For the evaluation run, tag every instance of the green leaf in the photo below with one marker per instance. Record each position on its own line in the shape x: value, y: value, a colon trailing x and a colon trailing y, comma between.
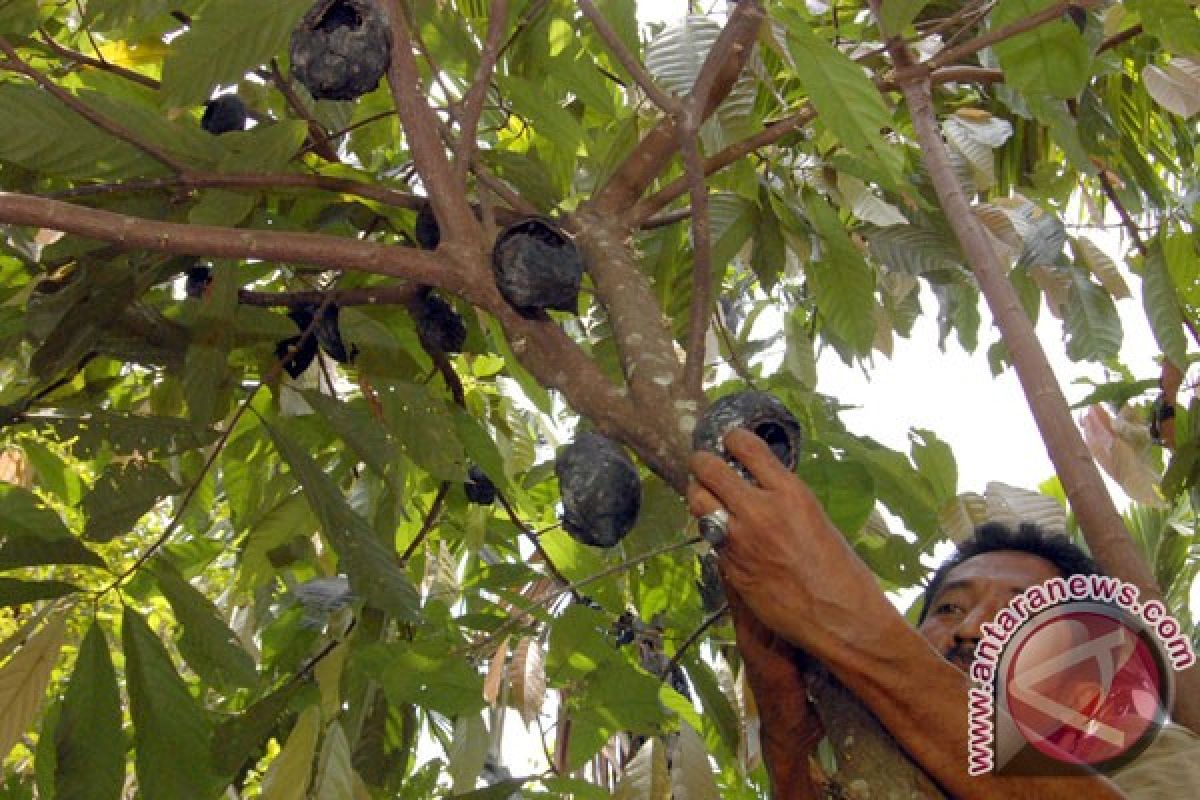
x: 901, y: 488
x: 202, y: 377
x: 239, y: 738
x: 23, y: 514
x: 1183, y: 265
x: 40, y: 133
x: 167, y: 721
x: 290, y: 772
x: 372, y: 569
x: 468, y: 751
x: 122, y: 494
x: 290, y: 519
x: 92, y: 432
x: 23, y: 681
x: 842, y: 282
x: 544, y: 111
x: 17, y: 593
x: 935, y: 461
x: 1093, y: 327
x: 424, y: 430
x: 1174, y: 22
x: 18, y: 17
x: 335, y: 774
x: 896, y: 15
x: 424, y: 675
x: 844, y: 489
x: 88, y: 740
x: 207, y: 643
x: 227, y: 39
x: 846, y: 100
x: 364, y: 434
x: 1162, y: 305
x: 578, y: 645
x: 1053, y: 58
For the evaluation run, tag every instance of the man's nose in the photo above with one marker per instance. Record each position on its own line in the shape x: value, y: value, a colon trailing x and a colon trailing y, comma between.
x: 970, y: 627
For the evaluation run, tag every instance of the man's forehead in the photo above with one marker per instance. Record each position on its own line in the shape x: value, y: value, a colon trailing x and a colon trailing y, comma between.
x: 1013, y: 569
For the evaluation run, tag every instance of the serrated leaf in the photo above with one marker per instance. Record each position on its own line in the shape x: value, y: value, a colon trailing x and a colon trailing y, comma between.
x: 290, y: 772
x: 841, y: 282
x: 41, y: 134
x: 226, y: 40
x: 1053, y: 58
x: 691, y: 774
x: 1162, y: 306
x: 528, y: 679
x: 373, y: 572
x: 1093, y: 326
x: 208, y: 645
x: 17, y: 593
x: 335, y: 774
x: 88, y: 740
x: 1089, y: 255
x: 23, y: 681
x: 166, y: 720
x: 1175, y: 87
x: 646, y: 776
x: 121, y: 495
x: 847, y: 101
x: 468, y: 751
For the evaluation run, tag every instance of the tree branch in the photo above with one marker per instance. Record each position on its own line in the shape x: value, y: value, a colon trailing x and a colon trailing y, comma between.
x: 702, y: 267
x: 472, y: 107
x: 952, y: 55
x: 16, y: 64
x: 343, y: 298
x: 321, y: 143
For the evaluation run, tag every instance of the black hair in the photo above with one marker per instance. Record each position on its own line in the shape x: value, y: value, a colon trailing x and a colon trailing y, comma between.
x: 1068, y: 557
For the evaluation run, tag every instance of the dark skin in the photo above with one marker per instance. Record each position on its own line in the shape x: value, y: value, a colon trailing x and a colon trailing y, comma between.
x: 796, y: 584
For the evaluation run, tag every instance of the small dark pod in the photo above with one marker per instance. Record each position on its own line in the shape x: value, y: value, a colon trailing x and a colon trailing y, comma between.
x: 601, y: 490
x: 712, y: 593
x: 759, y: 412
x: 198, y: 279
x: 329, y: 335
x: 479, y: 487
x: 341, y: 49
x: 296, y: 353
x: 439, y: 327
x: 426, y: 231
x: 224, y: 114
x: 537, y: 267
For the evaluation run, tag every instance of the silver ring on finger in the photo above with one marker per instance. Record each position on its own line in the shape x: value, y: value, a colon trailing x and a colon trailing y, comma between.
x: 714, y: 527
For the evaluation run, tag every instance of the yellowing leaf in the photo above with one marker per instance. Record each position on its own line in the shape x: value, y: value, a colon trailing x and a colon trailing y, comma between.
x: 23, y: 681
x: 646, y: 776
x: 288, y: 776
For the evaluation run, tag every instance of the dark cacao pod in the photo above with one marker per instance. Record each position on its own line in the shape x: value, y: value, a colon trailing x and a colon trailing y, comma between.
x: 537, y: 267
x: 439, y: 327
x: 198, y: 279
x: 328, y: 333
x: 341, y: 48
x: 479, y: 487
x: 296, y: 353
x: 224, y: 114
x: 426, y: 231
x: 758, y: 412
x: 601, y: 490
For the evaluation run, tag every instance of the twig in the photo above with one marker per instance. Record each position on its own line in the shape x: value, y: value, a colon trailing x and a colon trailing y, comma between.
x: 694, y: 637
x: 667, y: 103
x: 472, y: 106
x: 957, y: 53
x: 321, y: 143
x: 96, y: 63
x: 533, y: 539
x: 16, y: 64
x: 431, y: 517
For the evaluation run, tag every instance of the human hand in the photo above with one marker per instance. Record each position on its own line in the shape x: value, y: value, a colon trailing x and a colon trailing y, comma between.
x: 783, y: 556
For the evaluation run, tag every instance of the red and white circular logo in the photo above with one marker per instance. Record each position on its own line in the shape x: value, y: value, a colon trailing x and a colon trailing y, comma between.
x: 1082, y: 686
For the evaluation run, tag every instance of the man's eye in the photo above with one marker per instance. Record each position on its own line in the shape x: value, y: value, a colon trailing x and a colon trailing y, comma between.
x: 948, y: 608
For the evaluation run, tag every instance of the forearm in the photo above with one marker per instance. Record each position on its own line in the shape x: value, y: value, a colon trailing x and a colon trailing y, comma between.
x: 922, y: 700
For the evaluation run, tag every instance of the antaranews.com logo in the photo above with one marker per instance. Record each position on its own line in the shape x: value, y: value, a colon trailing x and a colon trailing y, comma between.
x: 1073, y: 675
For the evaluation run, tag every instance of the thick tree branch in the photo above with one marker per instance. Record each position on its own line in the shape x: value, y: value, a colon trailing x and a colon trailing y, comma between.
x: 718, y: 75
x: 16, y: 64
x: 331, y: 252
x: 421, y: 129
x: 472, y: 107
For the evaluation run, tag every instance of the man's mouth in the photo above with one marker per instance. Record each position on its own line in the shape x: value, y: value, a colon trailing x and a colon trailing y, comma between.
x: 961, y: 657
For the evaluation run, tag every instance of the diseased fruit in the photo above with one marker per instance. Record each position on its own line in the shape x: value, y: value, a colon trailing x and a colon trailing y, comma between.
x: 479, y: 487
x: 329, y: 335
x: 341, y: 48
x: 439, y: 327
x: 224, y: 114
x: 537, y: 267
x: 426, y: 231
x: 759, y: 412
x: 601, y: 490
x: 198, y: 280
x: 296, y: 353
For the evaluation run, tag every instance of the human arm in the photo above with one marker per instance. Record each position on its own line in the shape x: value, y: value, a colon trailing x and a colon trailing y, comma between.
x: 798, y: 575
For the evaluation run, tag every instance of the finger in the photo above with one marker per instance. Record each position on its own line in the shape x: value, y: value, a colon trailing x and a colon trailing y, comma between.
x: 731, y: 491
x: 754, y: 454
x: 701, y: 501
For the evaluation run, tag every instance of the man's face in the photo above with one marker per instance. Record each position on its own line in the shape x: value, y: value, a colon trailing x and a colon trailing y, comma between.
x: 972, y: 594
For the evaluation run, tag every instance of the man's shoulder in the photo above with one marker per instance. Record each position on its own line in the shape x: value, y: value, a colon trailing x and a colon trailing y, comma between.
x: 1168, y: 768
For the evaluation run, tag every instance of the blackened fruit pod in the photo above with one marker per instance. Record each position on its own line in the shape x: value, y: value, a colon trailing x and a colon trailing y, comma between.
x: 426, y: 231
x: 224, y: 114
x: 439, y: 327
x: 601, y: 490
x: 479, y: 487
x: 758, y: 412
x: 537, y: 267
x: 341, y: 48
